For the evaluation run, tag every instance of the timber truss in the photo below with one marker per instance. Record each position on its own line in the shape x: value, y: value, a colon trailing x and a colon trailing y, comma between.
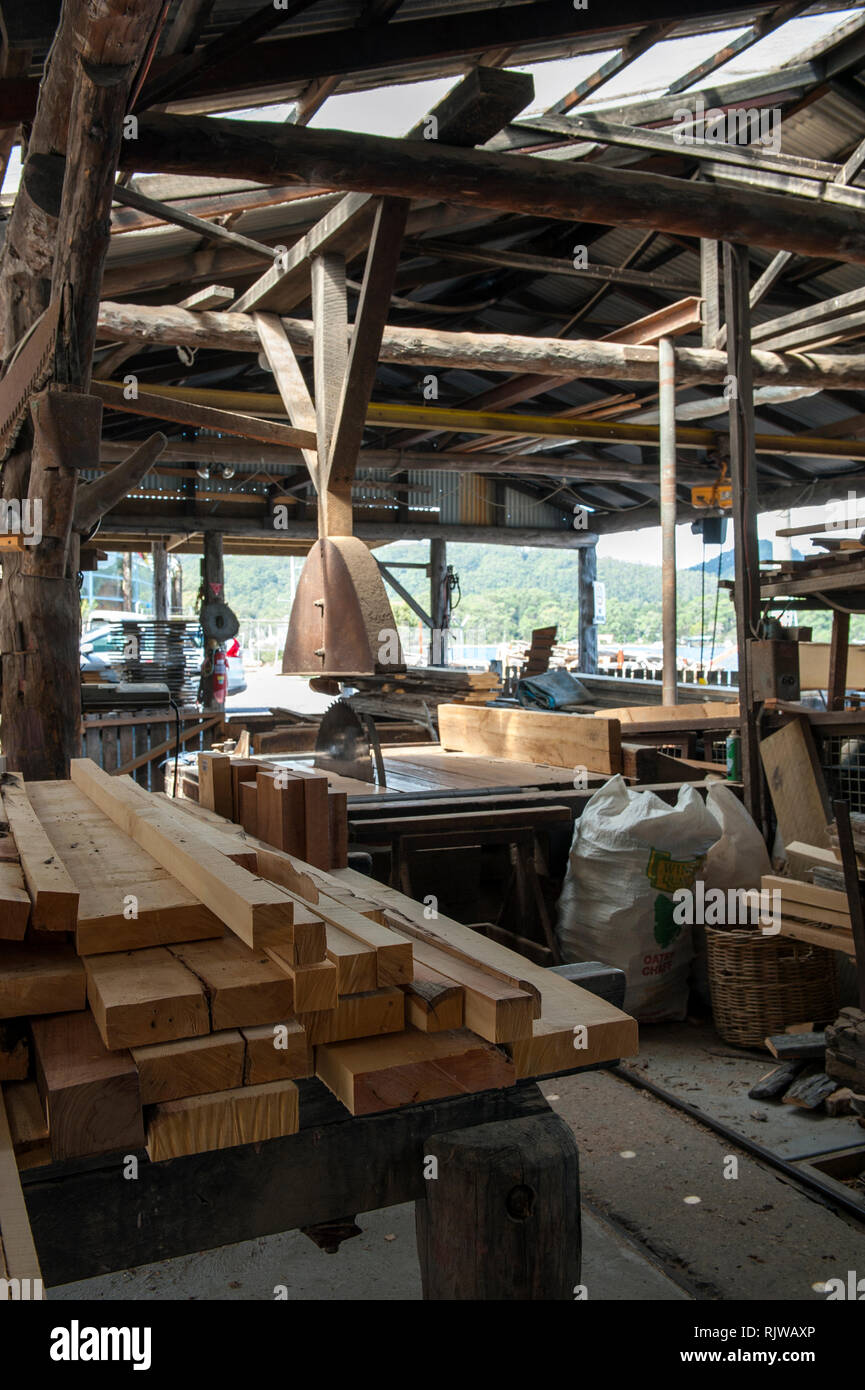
x: 457, y: 332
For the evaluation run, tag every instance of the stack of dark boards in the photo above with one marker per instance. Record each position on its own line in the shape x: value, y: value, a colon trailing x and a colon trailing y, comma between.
x: 818, y: 1070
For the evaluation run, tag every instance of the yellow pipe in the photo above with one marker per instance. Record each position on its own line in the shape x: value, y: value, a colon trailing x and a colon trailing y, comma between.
x: 493, y: 422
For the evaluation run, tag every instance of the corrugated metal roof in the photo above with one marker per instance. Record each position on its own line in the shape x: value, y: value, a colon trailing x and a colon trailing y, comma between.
x: 825, y: 128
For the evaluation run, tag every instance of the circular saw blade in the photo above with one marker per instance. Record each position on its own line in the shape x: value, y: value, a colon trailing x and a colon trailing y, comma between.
x: 342, y: 744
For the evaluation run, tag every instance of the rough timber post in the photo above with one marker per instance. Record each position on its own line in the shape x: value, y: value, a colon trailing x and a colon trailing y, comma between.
x: 212, y: 590
x: 160, y: 579
x: 501, y: 1217
x: 64, y: 203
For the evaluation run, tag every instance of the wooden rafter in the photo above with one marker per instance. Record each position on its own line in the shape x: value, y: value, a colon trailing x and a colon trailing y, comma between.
x: 179, y: 74
x: 281, y: 62
x: 507, y: 183
x: 766, y: 24
x: 493, y: 352
x: 629, y: 52
x: 352, y: 405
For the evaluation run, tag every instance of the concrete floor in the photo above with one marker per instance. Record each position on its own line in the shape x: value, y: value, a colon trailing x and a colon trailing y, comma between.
x: 380, y: 1265
x: 693, y: 1062
x: 662, y: 1220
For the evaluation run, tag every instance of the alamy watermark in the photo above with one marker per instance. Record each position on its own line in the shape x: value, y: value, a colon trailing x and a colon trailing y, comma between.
x: 21, y: 518
x: 737, y: 125
x: 842, y: 514
x: 730, y: 907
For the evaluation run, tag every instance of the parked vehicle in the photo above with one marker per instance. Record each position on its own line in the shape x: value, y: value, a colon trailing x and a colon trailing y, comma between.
x: 130, y: 646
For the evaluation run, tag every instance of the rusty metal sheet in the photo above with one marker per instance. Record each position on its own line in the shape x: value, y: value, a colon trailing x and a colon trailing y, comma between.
x: 342, y: 623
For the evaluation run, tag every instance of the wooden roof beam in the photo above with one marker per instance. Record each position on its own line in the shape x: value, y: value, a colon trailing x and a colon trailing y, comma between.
x: 490, y: 352
x: 682, y: 140
x: 547, y: 265
x: 230, y: 47
x: 211, y: 231
x: 151, y: 524
x: 507, y: 183
x: 350, y: 50
x: 777, y: 88
x: 477, y: 107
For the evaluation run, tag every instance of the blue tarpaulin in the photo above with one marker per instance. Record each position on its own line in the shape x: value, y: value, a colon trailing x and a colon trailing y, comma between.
x: 551, y: 690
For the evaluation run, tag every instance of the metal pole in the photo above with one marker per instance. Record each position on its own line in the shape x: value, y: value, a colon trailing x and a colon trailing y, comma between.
x: 160, y: 579
x: 438, y: 601
x: 743, y: 477
x: 588, y: 632
x: 667, y: 403
x: 213, y: 585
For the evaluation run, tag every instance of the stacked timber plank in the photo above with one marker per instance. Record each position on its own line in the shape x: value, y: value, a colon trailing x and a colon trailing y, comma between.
x: 562, y: 740
x: 857, y: 827
x: 293, y: 809
x: 435, y: 684
x: 812, y: 913
x: 538, y: 655
x: 187, y: 975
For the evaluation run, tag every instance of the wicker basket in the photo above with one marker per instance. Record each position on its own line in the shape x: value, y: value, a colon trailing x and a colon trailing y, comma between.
x: 761, y: 984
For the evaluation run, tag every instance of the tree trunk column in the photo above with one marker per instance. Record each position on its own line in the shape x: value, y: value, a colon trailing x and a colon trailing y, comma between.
x: 501, y: 1216
x: 213, y: 590
x: 588, y: 633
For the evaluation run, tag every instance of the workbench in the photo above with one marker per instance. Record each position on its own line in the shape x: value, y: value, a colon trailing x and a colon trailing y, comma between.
x: 506, y: 1180
x: 500, y: 1221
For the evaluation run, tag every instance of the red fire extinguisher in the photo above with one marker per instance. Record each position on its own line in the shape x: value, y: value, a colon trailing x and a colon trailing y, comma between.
x: 220, y: 675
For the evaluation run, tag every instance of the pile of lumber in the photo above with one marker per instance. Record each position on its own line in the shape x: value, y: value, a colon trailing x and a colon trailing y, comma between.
x: 845, y: 1049
x: 857, y: 826
x: 811, y: 913
x: 818, y: 1070
x: 293, y: 809
x: 171, y: 977
x: 538, y: 655
x: 433, y: 685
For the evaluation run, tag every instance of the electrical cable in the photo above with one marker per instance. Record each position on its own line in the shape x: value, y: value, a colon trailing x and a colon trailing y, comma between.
x: 176, y: 708
x: 702, y: 602
x: 717, y: 597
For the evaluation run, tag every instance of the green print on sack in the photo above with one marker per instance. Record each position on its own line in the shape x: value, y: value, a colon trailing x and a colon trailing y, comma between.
x: 667, y: 874
x: 666, y: 927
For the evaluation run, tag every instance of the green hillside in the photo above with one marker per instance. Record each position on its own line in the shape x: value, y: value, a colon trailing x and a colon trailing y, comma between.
x: 505, y: 592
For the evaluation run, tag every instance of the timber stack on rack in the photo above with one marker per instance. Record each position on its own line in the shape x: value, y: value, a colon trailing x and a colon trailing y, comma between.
x: 422, y: 688
x: 166, y: 978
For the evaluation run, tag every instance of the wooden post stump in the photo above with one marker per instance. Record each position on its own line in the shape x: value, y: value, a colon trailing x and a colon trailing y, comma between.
x: 501, y: 1220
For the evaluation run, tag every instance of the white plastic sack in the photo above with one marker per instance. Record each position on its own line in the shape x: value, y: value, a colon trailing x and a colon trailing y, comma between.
x: 630, y: 853
x: 738, y: 859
